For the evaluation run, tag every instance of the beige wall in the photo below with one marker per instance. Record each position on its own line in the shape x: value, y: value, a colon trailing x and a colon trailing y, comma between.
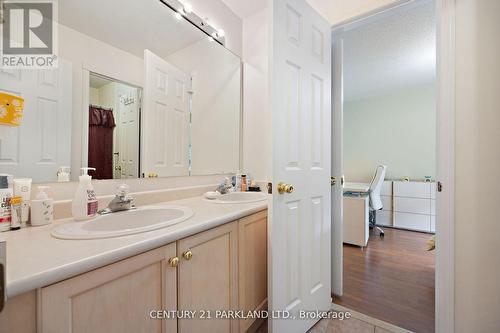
x: 477, y: 167
x: 257, y: 140
x: 396, y: 129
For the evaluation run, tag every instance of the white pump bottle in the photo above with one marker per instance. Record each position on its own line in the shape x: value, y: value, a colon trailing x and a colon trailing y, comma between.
x: 84, y: 204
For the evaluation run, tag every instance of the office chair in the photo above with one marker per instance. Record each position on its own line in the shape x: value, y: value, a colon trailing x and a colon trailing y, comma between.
x: 375, y: 201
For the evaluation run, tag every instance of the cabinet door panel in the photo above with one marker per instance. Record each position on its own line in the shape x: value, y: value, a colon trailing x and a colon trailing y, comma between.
x: 115, y: 298
x: 252, y: 245
x: 209, y: 280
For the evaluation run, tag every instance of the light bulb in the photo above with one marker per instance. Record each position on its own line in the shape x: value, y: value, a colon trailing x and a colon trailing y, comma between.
x: 210, y: 39
x: 178, y: 16
x: 220, y: 33
x: 188, y: 8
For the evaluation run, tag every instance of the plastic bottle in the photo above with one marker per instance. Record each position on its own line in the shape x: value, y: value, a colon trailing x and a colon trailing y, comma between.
x: 6, y: 193
x: 84, y: 204
x: 42, y: 208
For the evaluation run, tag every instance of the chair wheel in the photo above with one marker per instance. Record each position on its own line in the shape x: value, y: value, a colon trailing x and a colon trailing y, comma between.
x: 381, y: 235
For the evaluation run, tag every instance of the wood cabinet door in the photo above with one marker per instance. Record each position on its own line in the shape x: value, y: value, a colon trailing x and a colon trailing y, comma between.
x: 208, y: 282
x: 252, y: 245
x: 115, y: 298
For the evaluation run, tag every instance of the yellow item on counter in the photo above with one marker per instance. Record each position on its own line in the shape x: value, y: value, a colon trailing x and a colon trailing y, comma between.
x: 11, y: 109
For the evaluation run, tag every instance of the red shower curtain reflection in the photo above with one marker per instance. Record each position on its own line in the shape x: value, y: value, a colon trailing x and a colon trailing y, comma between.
x: 101, y: 125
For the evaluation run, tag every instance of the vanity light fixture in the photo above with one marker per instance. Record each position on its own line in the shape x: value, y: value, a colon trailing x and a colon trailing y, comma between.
x: 184, y: 10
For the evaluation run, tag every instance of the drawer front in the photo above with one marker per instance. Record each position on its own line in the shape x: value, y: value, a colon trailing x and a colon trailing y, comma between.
x: 433, y: 207
x: 386, y: 202
x: 386, y: 188
x: 412, y: 205
x: 412, y: 221
x: 384, y: 218
x: 412, y: 189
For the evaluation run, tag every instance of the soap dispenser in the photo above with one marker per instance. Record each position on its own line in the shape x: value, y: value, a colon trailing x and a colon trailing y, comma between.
x: 84, y: 204
x: 42, y: 208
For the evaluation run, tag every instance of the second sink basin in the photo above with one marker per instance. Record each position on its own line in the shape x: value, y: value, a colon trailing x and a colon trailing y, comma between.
x: 240, y: 197
x: 124, y: 223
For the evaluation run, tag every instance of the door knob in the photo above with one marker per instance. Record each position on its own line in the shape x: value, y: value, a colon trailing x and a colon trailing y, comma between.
x: 285, y: 188
x: 333, y: 181
x: 173, y: 262
x: 188, y: 255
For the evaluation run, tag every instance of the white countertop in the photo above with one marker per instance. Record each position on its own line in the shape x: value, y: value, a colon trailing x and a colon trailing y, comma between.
x: 35, y: 259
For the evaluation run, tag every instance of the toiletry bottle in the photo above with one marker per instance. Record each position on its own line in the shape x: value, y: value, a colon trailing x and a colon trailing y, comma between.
x: 6, y: 193
x: 85, y: 202
x: 237, y: 186
x: 63, y: 174
x: 22, y: 188
x: 243, y: 183
x: 42, y: 208
x: 15, y: 208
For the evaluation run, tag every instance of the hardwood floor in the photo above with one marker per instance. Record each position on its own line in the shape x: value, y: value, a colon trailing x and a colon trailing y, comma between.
x: 392, y: 280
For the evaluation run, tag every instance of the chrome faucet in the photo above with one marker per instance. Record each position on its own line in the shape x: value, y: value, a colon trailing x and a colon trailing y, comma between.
x: 225, y: 187
x: 122, y: 201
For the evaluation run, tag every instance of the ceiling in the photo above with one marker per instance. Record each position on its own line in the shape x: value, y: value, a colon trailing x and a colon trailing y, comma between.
x: 245, y: 8
x: 390, y: 51
x: 334, y: 10
x: 337, y: 11
x: 111, y: 21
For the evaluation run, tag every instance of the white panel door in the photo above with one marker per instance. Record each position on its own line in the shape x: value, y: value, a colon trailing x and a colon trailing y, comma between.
x: 166, y: 118
x: 127, y: 132
x: 42, y: 143
x: 300, y: 238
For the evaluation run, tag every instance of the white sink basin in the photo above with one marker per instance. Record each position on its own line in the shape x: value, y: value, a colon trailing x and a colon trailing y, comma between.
x: 124, y: 223
x: 240, y: 197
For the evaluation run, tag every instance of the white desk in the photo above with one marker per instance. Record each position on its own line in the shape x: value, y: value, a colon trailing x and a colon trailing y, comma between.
x: 356, y: 187
x: 356, y: 220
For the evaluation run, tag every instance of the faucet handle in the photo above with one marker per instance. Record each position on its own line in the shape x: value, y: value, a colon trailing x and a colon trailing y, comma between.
x: 123, y: 190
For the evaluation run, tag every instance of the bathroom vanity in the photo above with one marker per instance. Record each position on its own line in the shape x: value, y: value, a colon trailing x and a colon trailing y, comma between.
x: 216, y: 260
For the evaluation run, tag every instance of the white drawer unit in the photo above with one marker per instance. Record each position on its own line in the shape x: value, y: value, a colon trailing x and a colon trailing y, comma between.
x: 386, y: 189
x: 356, y: 224
x: 387, y: 203
x: 412, y: 189
x: 414, y: 205
x: 411, y: 221
x: 384, y: 218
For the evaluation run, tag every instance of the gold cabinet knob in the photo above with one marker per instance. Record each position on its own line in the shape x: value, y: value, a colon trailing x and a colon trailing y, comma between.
x: 173, y: 262
x: 285, y: 188
x: 188, y: 255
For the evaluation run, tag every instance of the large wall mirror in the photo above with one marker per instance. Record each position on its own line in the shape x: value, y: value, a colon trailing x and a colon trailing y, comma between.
x: 139, y: 92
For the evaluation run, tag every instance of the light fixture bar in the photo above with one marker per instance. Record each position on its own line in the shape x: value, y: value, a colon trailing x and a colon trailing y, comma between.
x: 185, y: 10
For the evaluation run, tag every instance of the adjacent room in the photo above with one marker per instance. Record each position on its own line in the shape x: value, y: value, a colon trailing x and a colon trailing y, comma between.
x: 389, y: 163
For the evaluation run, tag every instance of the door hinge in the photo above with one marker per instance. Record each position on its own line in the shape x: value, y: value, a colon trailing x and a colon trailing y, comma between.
x: 440, y: 187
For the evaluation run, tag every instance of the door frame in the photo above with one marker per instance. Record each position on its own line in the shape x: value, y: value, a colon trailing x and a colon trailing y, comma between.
x: 445, y: 155
x: 87, y: 71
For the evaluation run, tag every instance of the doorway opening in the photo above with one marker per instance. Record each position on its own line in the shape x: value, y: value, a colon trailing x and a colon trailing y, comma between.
x: 389, y: 106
